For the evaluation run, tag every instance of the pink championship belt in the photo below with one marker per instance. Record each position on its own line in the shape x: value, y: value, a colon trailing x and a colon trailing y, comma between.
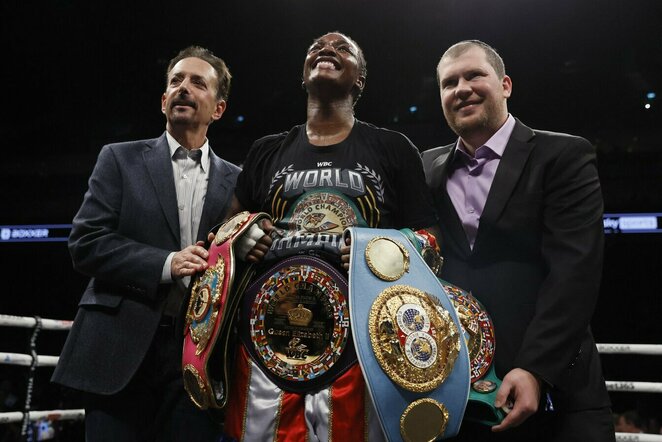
x: 211, y: 311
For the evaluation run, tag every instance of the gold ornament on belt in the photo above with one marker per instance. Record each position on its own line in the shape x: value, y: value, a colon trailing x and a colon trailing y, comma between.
x: 299, y: 322
x: 424, y: 420
x: 477, y: 329
x: 203, y: 306
x: 386, y: 258
x: 413, y: 337
x: 230, y: 227
x: 195, y: 386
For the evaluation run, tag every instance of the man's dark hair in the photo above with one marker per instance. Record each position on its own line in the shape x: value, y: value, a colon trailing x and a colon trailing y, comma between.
x: 222, y: 71
x: 493, y: 57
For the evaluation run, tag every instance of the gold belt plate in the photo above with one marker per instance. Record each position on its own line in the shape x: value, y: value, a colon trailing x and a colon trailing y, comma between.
x: 299, y: 323
x: 413, y: 338
x: 204, y: 304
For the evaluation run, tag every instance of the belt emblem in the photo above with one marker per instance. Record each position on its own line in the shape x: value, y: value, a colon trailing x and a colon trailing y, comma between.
x: 299, y: 322
x: 423, y: 420
x: 413, y: 338
x: 477, y: 329
x: 387, y: 259
x: 204, y: 305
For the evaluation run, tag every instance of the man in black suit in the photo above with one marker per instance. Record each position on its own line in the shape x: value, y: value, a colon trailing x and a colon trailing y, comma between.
x: 521, y: 228
x: 138, y: 236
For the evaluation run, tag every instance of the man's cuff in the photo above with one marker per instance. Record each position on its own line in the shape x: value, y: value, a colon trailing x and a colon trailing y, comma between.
x: 166, y: 273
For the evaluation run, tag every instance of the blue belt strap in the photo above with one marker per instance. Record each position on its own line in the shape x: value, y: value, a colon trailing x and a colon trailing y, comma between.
x: 391, y: 400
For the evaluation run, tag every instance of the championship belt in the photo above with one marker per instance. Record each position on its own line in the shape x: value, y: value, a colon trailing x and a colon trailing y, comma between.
x: 407, y: 337
x: 478, y: 332
x: 295, y: 324
x: 212, y: 307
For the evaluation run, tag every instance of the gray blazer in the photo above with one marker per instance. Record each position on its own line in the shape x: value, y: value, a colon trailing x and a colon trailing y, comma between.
x: 127, y: 225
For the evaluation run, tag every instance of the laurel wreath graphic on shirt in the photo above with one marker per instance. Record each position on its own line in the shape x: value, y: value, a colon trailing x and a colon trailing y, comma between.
x: 279, y: 174
x: 375, y: 178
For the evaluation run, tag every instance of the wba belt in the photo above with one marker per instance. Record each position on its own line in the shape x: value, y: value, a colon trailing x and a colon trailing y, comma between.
x: 295, y: 324
x: 212, y: 307
x: 407, y: 337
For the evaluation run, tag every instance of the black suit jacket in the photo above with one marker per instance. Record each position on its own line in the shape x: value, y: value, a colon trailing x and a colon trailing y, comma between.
x: 125, y: 229
x: 537, y: 259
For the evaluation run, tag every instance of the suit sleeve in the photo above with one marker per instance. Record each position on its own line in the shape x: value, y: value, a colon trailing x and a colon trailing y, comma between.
x: 572, y: 249
x: 98, y: 248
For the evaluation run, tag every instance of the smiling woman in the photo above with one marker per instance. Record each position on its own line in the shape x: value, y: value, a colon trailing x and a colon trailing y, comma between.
x: 319, y: 178
x: 82, y: 74
x: 326, y: 54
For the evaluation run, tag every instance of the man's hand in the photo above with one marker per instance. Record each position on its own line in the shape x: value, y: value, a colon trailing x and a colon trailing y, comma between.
x: 188, y: 262
x: 522, y: 389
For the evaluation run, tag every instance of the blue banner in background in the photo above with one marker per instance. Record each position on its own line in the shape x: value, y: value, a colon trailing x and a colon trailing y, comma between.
x: 632, y: 222
x: 35, y: 233
x: 613, y: 223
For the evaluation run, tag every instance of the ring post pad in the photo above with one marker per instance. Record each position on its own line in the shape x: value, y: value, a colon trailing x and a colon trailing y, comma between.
x: 212, y: 305
x: 407, y: 337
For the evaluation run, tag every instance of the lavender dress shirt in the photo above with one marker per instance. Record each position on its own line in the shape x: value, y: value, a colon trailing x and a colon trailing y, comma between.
x: 470, y: 177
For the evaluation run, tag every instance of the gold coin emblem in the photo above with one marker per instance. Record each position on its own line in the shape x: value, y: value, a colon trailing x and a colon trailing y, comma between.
x: 195, y: 386
x: 484, y: 386
x: 424, y: 420
x: 386, y: 258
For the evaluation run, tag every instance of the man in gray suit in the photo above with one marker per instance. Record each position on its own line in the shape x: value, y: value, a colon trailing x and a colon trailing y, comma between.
x: 521, y: 228
x: 138, y: 235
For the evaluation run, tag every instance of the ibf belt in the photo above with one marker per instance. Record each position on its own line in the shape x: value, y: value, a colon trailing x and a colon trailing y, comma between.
x: 478, y: 333
x: 212, y: 307
x: 295, y: 324
x: 407, y: 337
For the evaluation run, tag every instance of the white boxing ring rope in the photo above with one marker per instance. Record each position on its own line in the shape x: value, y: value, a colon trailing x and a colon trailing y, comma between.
x: 56, y: 324
x: 33, y: 361
x: 638, y: 437
x: 631, y: 349
x: 31, y: 322
x: 27, y: 360
x: 51, y: 415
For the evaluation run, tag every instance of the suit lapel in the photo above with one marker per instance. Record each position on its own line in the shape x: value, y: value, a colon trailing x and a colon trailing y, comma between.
x: 507, y: 175
x: 219, y: 192
x: 434, y: 164
x: 159, y: 165
x: 448, y: 216
x: 450, y: 219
